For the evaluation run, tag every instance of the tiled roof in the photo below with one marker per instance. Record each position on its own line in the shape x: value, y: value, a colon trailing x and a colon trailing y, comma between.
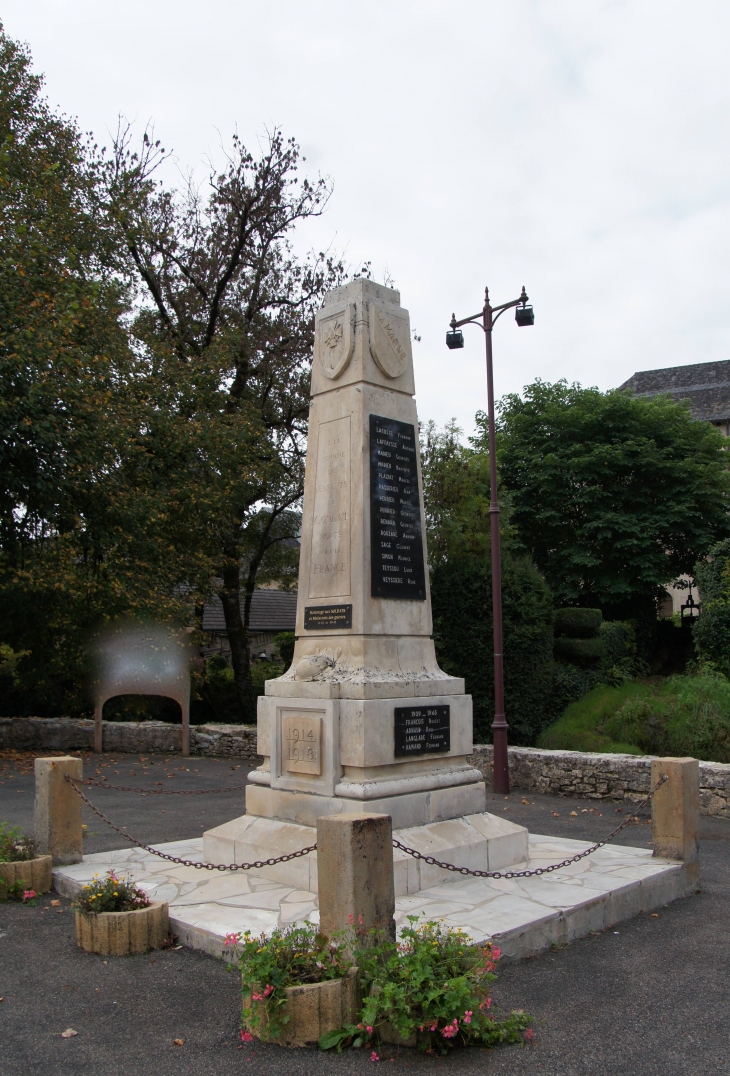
x: 705, y: 386
x: 271, y: 610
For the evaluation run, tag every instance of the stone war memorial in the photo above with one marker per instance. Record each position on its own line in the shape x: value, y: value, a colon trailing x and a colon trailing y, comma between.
x: 364, y: 720
x: 365, y: 740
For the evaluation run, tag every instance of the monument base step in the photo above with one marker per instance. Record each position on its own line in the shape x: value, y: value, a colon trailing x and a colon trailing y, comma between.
x: 479, y: 841
x: 408, y: 809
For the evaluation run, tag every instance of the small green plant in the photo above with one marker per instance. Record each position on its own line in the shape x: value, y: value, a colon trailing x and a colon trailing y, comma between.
x: 110, y: 894
x: 16, y: 891
x: 431, y: 985
x: 15, y: 846
x: 270, y: 964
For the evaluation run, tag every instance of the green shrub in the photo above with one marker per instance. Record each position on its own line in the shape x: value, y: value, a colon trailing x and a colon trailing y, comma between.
x: 578, y: 623
x: 461, y: 596
x: 581, y: 652
x: 679, y: 715
x: 711, y: 633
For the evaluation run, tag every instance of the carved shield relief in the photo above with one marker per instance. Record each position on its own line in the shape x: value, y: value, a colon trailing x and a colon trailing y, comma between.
x: 390, y: 340
x: 335, y: 340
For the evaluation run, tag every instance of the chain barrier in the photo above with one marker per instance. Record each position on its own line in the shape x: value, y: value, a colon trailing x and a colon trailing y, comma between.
x: 414, y: 853
x: 538, y: 870
x: 155, y: 791
x: 76, y: 785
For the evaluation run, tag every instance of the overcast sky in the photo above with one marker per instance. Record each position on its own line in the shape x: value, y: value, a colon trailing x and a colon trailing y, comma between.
x: 578, y: 147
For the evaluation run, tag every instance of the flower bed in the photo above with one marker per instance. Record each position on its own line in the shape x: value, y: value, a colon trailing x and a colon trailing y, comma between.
x: 23, y: 873
x: 297, y: 985
x: 430, y: 989
x: 116, y: 918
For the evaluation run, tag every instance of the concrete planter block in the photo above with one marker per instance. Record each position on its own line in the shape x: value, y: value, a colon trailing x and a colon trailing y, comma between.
x: 33, y: 873
x: 123, y: 933
x: 314, y: 1009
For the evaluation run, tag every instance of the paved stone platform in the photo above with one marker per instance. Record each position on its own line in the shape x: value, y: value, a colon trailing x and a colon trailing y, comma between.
x: 522, y: 916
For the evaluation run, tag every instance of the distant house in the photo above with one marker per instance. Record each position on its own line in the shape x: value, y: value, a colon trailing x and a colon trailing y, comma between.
x: 272, y: 611
x: 705, y: 386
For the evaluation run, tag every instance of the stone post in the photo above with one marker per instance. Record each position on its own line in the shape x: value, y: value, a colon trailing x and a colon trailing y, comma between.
x: 355, y: 872
x: 675, y: 811
x: 58, y: 809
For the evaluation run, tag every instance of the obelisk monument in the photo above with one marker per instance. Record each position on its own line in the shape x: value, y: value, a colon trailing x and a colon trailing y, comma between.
x: 364, y: 720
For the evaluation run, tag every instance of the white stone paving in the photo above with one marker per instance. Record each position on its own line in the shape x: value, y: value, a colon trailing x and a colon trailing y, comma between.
x: 523, y: 916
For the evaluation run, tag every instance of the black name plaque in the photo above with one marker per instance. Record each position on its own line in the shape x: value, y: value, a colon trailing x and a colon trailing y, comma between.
x: 396, y: 542
x: 319, y: 617
x: 420, y: 730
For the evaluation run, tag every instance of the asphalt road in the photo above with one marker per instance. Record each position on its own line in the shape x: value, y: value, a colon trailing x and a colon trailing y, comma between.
x: 652, y: 997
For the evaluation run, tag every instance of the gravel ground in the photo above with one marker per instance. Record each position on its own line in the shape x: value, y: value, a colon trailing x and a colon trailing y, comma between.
x: 652, y: 997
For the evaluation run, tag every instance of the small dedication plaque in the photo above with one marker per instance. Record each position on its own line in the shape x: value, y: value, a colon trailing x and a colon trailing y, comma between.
x: 302, y: 744
x: 327, y: 616
x: 396, y: 543
x: 420, y: 730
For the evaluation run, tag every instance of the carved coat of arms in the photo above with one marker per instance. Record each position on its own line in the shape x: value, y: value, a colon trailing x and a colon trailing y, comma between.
x: 335, y: 340
x: 390, y: 340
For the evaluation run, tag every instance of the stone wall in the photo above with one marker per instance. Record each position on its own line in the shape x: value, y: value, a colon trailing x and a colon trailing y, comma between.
x: 599, y: 776
x: 556, y: 773
x: 128, y: 737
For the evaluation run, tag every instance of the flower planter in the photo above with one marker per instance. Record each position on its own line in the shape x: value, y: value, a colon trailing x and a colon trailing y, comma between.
x: 313, y: 1009
x: 123, y: 933
x: 31, y: 873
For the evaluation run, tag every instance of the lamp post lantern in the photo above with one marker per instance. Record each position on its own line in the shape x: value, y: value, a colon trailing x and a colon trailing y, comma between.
x: 524, y: 315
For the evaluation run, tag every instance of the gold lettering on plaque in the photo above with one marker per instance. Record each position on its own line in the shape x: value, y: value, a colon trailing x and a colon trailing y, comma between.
x: 302, y: 744
x: 329, y: 569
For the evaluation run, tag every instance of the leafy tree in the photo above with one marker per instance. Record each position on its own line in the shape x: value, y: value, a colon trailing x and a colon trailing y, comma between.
x: 63, y: 357
x: 461, y: 594
x: 612, y: 495
x: 225, y: 332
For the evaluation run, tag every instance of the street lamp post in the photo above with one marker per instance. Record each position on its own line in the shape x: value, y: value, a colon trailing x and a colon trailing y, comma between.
x: 524, y: 315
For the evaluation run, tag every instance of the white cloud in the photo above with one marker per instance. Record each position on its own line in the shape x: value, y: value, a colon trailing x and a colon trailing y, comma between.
x: 580, y: 148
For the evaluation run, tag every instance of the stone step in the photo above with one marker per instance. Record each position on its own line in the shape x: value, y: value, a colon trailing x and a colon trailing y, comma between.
x: 478, y: 841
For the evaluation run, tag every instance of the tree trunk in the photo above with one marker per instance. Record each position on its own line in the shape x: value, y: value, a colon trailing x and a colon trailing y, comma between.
x: 238, y: 640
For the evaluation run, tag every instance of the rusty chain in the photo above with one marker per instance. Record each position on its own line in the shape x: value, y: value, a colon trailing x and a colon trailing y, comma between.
x: 155, y: 791
x: 414, y: 853
x: 76, y: 785
x: 537, y: 870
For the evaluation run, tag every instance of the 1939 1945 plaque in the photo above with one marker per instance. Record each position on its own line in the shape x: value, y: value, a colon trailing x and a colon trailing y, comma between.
x: 396, y: 542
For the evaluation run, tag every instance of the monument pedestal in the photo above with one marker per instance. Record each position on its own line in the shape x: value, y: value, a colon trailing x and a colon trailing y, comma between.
x: 365, y: 720
x: 479, y: 841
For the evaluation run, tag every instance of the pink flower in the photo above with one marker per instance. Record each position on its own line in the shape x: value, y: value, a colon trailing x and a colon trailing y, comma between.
x: 467, y: 1016
x: 374, y: 1056
x: 28, y: 894
x: 369, y: 1029
x: 529, y: 1034
x: 496, y: 954
x: 232, y: 939
x: 486, y: 1004
x: 450, y: 1030
x: 246, y: 1036
x: 268, y: 990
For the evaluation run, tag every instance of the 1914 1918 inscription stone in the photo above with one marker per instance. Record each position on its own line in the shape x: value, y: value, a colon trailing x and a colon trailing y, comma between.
x: 387, y: 730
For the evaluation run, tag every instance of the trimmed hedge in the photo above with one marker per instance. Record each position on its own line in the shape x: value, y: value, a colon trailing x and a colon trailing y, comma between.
x: 461, y: 596
x: 711, y: 633
x: 581, y: 651
x: 578, y: 623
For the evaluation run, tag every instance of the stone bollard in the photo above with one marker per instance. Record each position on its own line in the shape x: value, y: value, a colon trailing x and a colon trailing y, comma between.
x: 675, y: 812
x: 58, y: 809
x: 355, y: 872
